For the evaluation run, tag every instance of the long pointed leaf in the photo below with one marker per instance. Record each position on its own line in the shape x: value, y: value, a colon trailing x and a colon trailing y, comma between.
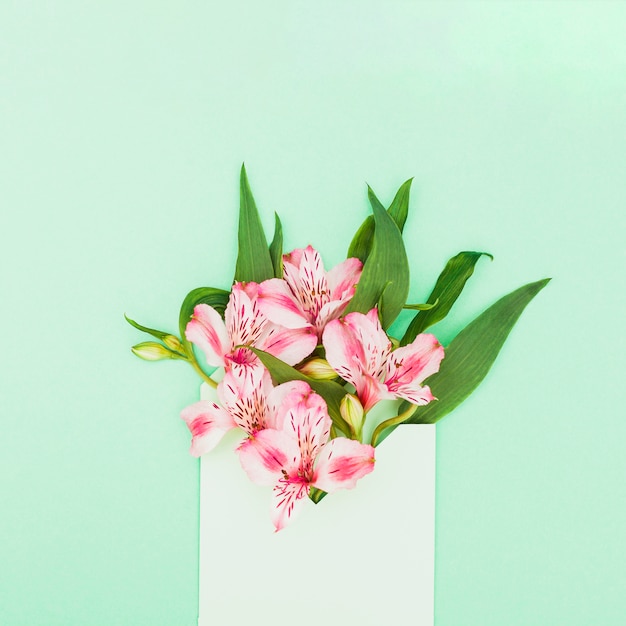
x: 331, y: 392
x: 159, y: 334
x: 399, y: 208
x: 446, y: 291
x: 471, y: 354
x: 386, y: 269
x: 361, y: 243
x: 254, y: 262
x: 276, y: 247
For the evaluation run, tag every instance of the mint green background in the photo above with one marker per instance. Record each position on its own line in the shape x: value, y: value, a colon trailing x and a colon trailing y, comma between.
x: 122, y: 128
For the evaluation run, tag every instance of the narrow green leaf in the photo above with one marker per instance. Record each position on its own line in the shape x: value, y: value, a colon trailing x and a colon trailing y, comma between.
x: 159, y: 334
x: 399, y: 208
x: 471, y: 354
x: 421, y: 307
x: 446, y: 291
x: 254, y: 262
x: 331, y: 392
x: 276, y: 248
x: 386, y: 269
x: 217, y: 298
x: 361, y: 243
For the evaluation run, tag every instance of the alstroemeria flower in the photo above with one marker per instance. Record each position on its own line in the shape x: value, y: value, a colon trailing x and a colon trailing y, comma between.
x: 245, y: 324
x: 248, y: 401
x: 308, y: 295
x: 359, y: 350
x: 298, y: 455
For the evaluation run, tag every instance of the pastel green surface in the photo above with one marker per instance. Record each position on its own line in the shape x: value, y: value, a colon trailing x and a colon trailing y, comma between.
x: 123, y: 127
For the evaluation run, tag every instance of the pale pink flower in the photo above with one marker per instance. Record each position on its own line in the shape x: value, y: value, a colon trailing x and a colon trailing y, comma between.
x: 298, y: 455
x: 308, y: 295
x: 245, y: 324
x: 359, y: 350
x: 249, y: 401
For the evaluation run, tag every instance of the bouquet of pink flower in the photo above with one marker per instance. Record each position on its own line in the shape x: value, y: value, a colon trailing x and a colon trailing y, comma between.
x: 305, y: 354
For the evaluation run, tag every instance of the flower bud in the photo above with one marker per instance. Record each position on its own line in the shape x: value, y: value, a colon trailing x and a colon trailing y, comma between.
x: 152, y: 351
x: 173, y: 343
x: 351, y: 410
x: 318, y: 369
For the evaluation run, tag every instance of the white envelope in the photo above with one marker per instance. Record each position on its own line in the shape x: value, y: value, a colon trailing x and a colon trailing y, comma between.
x: 363, y: 556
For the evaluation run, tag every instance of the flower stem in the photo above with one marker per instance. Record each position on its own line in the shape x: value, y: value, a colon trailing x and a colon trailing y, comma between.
x: 393, y: 421
x: 191, y: 357
x: 205, y: 377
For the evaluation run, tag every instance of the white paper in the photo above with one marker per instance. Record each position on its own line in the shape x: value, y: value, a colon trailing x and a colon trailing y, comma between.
x: 363, y: 556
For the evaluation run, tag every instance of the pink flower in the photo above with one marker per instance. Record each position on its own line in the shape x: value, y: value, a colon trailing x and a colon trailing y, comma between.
x: 308, y: 295
x: 297, y: 455
x: 245, y: 324
x: 360, y: 352
x: 249, y: 401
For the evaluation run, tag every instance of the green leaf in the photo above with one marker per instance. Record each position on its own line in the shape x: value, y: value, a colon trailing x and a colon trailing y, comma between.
x: 254, y: 262
x: 159, y: 334
x: 472, y: 352
x: 386, y: 269
x: 399, y: 208
x: 362, y: 241
x: 446, y: 291
x: 217, y: 298
x: 276, y: 248
x: 361, y: 244
x: 422, y: 307
x: 331, y: 392
x: 470, y: 356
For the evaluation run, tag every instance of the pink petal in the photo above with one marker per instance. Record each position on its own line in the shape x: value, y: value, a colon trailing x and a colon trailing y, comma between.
x: 208, y: 331
x: 243, y: 393
x: 293, y: 258
x: 370, y: 391
x: 291, y: 269
x: 307, y: 419
x: 208, y: 423
x: 289, y: 498
x: 289, y: 345
x: 343, y: 278
x: 311, y: 289
x: 244, y: 320
x: 330, y: 311
x: 344, y: 350
x: 251, y: 289
x: 411, y: 364
x: 376, y: 344
x: 268, y: 455
x: 341, y: 463
x: 278, y: 304
x: 277, y: 401
x: 414, y: 394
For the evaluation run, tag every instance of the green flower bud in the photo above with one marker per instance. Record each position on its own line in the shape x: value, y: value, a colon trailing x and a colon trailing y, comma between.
x: 318, y: 369
x: 351, y: 410
x: 173, y: 343
x: 152, y: 351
